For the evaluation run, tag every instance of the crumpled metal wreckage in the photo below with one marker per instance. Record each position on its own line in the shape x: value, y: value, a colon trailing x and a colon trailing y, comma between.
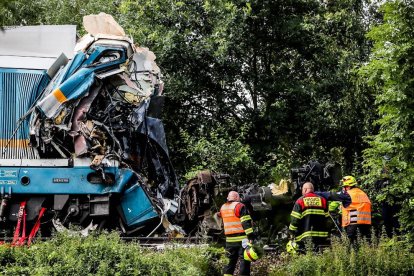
x: 88, y: 148
x: 83, y: 144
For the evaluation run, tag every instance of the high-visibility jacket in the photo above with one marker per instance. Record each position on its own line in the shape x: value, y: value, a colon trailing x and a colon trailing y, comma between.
x: 359, y: 211
x: 236, y: 220
x: 309, y: 217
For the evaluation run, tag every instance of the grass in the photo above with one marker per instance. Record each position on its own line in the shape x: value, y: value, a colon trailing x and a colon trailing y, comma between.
x: 107, y: 254
x: 379, y: 257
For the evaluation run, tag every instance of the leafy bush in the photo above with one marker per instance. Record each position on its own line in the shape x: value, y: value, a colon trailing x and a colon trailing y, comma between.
x: 390, y: 75
x: 109, y: 255
x: 384, y: 257
x: 220, y: 152
x: 106, y: 255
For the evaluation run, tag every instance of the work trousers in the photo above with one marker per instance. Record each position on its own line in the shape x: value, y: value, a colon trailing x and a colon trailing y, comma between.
x: 353, y: 229
x: 389, y: 214
x: 234, y: 251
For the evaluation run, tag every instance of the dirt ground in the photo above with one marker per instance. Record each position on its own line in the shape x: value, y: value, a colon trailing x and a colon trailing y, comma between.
x: 264, y: 265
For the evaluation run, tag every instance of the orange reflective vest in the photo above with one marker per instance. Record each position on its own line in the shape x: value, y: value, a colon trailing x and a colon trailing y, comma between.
x: 359, y: 211
x: 232, y: 224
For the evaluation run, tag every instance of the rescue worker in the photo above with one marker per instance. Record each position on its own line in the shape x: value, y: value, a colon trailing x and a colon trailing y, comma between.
x: 335, y: 213
x: 237, y: 227
x: 309, y: 218
x: 356, y: 208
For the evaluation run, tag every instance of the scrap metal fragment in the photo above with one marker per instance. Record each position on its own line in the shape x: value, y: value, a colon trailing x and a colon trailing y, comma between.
x: 102, y: 23
x: 97, y: 161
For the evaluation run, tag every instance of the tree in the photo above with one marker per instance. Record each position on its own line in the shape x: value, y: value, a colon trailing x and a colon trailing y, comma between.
x: 281, y: 70
x: 52, y: 12
x: 390, y: 76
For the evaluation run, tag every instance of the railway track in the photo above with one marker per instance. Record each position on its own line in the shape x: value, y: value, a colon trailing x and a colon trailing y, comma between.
x: 150, y: 242
x: 159, y: 243
x: 163, y: 242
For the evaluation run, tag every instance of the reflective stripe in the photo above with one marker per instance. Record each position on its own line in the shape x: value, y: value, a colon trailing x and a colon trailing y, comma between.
x: 313, y: 212
x: 364, y: 213
x: 231, y: 223
x: 229, y: 205
x: 228, y: 208
x: 292, y: 227
x: 235, y: 239
x: 312, y: 234
x: 356, y: 219
x: 359, y: 211
x: 248, y: 231
x: 250, y: 254
x: 234, y: 229
x: 296, y: 215
x: 245, y: 218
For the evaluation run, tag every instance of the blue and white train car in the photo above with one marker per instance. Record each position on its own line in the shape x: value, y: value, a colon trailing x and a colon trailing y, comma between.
x: 81, y: 142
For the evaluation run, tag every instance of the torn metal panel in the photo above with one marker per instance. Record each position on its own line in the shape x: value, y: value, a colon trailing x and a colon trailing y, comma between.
x: 134, y: 207
x: 80, y: 128
x: 127, y: 90
x: 102, y: 24
x: 60, y: 61
x: 100, y: 115
x: 146, y: 72
x: 96, y: 107
x: 86, y: 41
x: 74, y: 87
x: 154, y: 129
x: 73, y: 65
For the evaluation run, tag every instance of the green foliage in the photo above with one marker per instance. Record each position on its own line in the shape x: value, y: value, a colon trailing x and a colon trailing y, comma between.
x: 280, y: 70
x: 390, y: 76
x: 52, y: 12
x: 106, y: 255
x: 385, y: 257
x: 221, y: 153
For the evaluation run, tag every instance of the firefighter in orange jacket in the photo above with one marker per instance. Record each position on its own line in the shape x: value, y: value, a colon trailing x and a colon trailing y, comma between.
x: 356, y: 208
x: 237, y: 227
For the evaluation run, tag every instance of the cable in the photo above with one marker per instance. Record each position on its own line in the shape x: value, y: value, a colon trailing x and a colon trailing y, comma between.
x: 337, y: 227
x: 162, y: 217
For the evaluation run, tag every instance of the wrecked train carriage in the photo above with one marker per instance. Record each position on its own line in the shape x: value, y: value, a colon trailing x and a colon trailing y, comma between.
x: 87, y: 148
x: 82, y: 142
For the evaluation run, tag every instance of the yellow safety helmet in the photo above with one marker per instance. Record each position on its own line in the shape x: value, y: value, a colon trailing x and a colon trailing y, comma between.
x: 292, y: 247
x: 333, y: 206
x: 251, y: 254
x: 349, y: 181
